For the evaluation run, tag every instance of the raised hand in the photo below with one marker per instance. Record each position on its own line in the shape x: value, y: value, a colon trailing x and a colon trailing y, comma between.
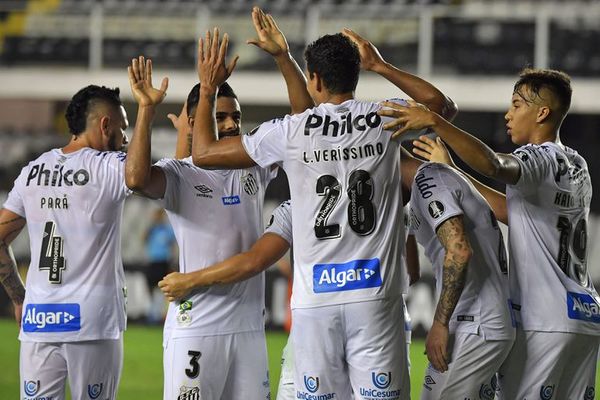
x: 140, y: 80
x: 436, y: 346
x: 174, y: 286
x: 180, y: 122
x: 270, y: 38
x: 414, y: 116
x: 370, y: 58
x: 432, y: 150
x: 212, y: 69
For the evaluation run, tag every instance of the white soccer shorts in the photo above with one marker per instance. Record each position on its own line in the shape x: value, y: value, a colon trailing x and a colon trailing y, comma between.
x: 550, y: 365
x: 92, y: 367
x: 471, y: 372
x: 355, y: 348
x: 220, y: 367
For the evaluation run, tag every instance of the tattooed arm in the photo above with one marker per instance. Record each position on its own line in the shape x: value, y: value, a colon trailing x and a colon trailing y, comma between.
x: 452, y: 235
x: 11, y: 225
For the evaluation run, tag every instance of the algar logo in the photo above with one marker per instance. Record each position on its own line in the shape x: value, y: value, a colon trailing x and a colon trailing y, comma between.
x: 352, y: 275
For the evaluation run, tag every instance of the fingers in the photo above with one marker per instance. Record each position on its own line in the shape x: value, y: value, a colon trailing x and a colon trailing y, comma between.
x: 142, y: 67
x: 200, y: 50
x: 223, y: 49
x: 148, y: 75
x: 421, y: 153
x: 400, y: 120
x: 272, y: 22
x: 131, y: 74
x: 214, y: 50
x: 401, y: 131
x: 174, y: 119
x: 350, y: 34
x: 164, y: 85
x: 393, y: 105
x: 232, y: 65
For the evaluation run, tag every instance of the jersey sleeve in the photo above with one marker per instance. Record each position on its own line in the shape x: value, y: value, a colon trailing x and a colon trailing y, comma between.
x: 14, y: 201
x: 266, y: 143
x: 116, y: 171
x: 536, y: 162
x: 436, y: 198
x: 172, y: 171
x: 280, y: 222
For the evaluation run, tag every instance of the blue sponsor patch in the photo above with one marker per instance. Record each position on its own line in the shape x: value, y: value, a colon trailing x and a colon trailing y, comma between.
x: 357, y: 274
x: 583, y: 307
x: 230, y: 200
x: 52, y: 318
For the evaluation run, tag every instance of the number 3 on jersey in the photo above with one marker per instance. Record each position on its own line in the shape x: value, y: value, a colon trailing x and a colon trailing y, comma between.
x: 361, y: 212
x: 51, y: 255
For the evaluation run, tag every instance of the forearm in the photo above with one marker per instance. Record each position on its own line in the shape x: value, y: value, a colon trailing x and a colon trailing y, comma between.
x: 139, y: 162
x: 496, y: 199
x: 453, y: 281
x: 470, y: 149
x: 295, y: 82
x: 9, y: 275
x: 235, y: 269
x: 418, y: 89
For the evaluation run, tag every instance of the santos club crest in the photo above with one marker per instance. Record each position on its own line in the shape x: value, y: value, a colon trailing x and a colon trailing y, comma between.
x: 249, y: 184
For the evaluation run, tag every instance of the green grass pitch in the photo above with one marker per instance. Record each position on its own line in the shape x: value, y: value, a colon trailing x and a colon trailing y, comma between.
x: 142, y: 369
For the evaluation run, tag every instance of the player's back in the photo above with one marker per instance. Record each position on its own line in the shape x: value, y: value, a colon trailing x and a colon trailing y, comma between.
x: 73, y: 204
x: 344, y: 182
x: 439, y: 193
x: 548, y: 211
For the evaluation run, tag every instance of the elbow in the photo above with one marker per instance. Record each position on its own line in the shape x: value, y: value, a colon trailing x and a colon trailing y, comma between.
x: 134, y: 180
x: 200, y: 159
x: 450, y: 109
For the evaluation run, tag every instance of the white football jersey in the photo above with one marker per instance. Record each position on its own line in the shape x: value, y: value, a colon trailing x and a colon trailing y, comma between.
x: 280, y: 222
x: 215, y: 214
x: 547, y: 213
x: 73, y: 203
x: 344, y: 179
x: 439, y: 193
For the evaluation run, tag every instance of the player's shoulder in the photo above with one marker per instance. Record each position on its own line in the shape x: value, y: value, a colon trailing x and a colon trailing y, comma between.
x: 531, y: 153
x: 434, y: 178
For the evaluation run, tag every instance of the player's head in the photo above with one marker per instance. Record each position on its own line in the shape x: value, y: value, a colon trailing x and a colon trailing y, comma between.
x: 229, y: 114
x: 333, y: 65
x: 541, y: 99
x: 97, y: 112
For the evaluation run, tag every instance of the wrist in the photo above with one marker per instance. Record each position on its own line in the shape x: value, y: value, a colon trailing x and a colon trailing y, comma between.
x: 284, y: 56
x: 380, y: 67
x: 208, y: 89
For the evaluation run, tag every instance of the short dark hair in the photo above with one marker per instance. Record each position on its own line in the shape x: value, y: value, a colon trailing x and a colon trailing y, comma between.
x: 337, y: 61
x: 84, y: 101
x: 557, y: 82
x: 225, y: 90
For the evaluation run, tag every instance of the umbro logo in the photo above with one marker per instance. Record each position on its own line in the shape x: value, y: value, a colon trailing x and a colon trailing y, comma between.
x: 203, y: 191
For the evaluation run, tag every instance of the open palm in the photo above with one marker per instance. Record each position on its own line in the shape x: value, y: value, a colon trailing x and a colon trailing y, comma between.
x: 270, y: 37
x: 140, y: 80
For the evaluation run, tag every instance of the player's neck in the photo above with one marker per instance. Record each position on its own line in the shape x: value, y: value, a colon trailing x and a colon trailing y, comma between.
x: 77, y: 143
x: 337, y: 98
x: 544, y: 135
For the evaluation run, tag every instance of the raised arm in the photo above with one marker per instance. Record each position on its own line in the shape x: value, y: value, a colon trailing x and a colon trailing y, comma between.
x: 453, y: 237
x: 140, y: 175
x: 265, y: 252
x: 418, y: 89
x: 207, y: 151
x: 271, y: 39
x: 502, y: 167
x: 436, y: 151
x: 11, y: 225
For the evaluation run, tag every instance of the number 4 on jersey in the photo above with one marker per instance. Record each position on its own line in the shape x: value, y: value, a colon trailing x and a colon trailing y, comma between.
x: 51, y: 256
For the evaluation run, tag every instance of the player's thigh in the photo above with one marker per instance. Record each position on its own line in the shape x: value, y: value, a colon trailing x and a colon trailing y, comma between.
x: 579, y: 374
x: 94, y: 368
x: 472, y: 371
x: 196, y: 367
x: 285, y: 390
x: 376, y: 349
x: 248, y: 376
x: 319, y: 357
x: 43, y: 370
x: 534, y: 365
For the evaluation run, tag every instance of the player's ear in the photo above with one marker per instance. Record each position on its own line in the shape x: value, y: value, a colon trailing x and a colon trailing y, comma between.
x: 543, y: 114
x: 191, y: 122
x: 318, y: 82
x: 104, y: 124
